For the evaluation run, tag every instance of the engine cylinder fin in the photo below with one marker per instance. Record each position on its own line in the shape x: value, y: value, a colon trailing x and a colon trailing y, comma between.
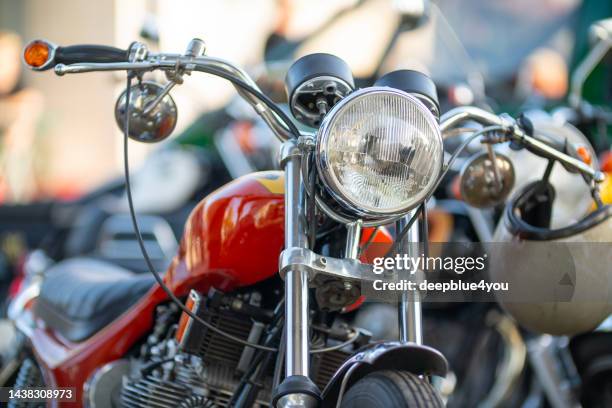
x: 208, y: 371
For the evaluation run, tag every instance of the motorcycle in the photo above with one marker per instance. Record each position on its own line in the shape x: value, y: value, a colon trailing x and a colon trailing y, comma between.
x: 572, y: 367
x: 268, y: 262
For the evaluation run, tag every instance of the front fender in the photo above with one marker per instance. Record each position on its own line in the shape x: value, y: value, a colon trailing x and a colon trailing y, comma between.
x: 415, y: 358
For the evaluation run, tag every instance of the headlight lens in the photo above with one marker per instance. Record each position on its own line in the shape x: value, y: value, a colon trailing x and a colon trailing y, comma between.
x: 379, y: 151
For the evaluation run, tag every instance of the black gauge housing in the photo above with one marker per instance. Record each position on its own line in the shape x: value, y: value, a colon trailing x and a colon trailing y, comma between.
x: 416, y: 83
x: 314, y: 84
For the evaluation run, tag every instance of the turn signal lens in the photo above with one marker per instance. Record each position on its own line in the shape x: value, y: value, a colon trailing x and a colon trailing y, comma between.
x: 584, y: 154
x: 36, y: 54
x: 193, y: 301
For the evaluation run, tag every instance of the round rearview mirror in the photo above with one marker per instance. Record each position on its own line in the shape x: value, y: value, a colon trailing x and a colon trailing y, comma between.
x: 153, y: 112
x: 484, y: 185
x: 601, y: 30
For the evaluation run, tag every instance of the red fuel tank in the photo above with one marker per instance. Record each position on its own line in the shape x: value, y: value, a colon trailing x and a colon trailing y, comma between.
x: 233, y: 237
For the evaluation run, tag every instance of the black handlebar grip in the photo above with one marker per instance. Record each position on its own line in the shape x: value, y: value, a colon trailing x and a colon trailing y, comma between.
x: 89, y: 53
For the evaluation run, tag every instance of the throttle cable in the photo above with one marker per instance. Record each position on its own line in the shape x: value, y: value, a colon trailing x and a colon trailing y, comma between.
x: 141, y: 244
x: 140, y: 240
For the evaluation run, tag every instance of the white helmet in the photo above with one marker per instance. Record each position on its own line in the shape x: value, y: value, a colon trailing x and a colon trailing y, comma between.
x: 568, y: 269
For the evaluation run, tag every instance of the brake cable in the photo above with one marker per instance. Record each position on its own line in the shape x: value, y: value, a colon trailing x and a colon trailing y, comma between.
x: 140, y: 240
x: 256, y: 93
x: 141, y: 244
x: 400, y: 235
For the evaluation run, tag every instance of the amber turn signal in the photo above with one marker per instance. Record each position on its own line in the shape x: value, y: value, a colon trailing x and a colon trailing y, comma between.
x: 584, y: 154
x: 37, y: 53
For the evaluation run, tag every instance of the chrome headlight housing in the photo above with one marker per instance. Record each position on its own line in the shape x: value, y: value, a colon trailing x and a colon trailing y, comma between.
x: 379, y: 152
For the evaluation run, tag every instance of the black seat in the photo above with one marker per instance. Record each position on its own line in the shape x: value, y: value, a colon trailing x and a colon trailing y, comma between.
x: 81, y: 296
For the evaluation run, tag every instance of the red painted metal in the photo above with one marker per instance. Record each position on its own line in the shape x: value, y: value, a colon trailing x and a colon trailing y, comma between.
x: 232, y: 238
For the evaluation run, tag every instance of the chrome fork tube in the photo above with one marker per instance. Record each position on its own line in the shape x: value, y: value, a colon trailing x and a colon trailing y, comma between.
x: 353, y: 235
x: 410, y: 314
x: 296, y: 324
x: 297, y: 389
x: 296, y: 280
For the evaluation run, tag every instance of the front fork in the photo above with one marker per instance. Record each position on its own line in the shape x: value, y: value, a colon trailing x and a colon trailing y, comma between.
x: 297, y: 389
x: 409, y: 312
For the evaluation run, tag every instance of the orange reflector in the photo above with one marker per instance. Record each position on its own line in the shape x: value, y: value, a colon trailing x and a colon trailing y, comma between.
x: 36, y: 54
x: 584, y: 154
x: 192, y: 304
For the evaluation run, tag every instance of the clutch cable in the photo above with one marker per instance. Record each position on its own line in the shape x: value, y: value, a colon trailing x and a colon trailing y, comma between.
x: 243, y: 85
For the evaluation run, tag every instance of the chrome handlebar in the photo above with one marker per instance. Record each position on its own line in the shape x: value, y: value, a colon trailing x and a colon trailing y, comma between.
x: 509, y: 126
x: 143, y: 61
x: 187, y: 64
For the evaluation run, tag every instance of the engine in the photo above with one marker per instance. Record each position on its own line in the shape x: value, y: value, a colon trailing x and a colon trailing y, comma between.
x: 188, y: 365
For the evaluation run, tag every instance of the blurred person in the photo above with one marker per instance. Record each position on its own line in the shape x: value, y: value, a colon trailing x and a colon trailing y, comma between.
x: 20, y: 110
x: 543, y: 76
x: 519, y: 44
x: 503, y: 35
x: 297, y: 20
x: 517, y: 55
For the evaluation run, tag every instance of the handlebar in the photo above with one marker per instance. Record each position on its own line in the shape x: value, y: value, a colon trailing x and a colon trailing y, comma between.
x: 75, y: 54
x: 518, y: 134
x: 93, y: 58
x: 40, y: 55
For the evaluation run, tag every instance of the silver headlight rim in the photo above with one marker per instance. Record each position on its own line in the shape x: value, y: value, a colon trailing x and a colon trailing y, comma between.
x: 333, y: 185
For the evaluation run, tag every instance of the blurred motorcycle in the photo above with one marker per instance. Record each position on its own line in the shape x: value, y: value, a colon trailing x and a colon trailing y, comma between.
x: 572, y: 365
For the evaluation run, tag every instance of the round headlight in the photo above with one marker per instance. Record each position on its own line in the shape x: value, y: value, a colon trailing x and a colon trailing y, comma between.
x: 379, y: 152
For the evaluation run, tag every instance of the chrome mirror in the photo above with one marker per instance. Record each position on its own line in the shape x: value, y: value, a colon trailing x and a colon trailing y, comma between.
x: 153, y: 112
x: 601, y: 30
x: 483, y: 184
x: 601, y: 39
